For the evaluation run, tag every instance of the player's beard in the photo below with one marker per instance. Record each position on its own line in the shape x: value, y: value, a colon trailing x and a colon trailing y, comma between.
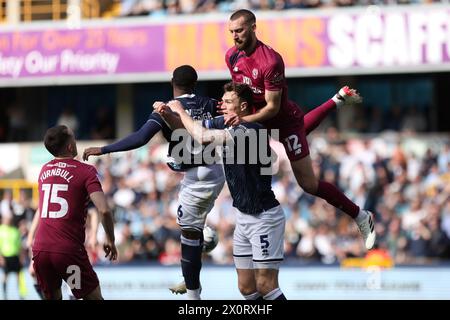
x: 242, y: 45
x: 238, y: 44
x: 245, y: 43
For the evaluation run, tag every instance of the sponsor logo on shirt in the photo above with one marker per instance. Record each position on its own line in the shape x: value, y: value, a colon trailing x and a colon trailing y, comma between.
x: 61, y: 165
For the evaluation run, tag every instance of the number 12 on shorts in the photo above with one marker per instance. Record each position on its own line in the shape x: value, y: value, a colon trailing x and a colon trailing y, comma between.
x: 292, y: 144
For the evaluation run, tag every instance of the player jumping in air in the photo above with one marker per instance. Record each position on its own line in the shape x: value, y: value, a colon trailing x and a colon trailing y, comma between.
x: 252, y: 62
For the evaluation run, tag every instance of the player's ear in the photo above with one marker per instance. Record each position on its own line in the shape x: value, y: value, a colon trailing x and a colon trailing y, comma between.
x: 70, y: 147
x: 244, y: 105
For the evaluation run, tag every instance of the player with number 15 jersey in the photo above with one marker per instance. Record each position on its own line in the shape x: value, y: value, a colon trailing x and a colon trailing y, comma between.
x: 65, y: 188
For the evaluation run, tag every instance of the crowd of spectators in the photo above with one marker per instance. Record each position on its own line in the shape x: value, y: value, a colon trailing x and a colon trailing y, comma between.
x: 404, y: 179
x: 161, y: 8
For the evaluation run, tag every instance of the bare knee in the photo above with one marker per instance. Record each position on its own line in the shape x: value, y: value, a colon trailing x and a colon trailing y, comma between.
x: 246, y: 289
x: 266, y: 280
x: 246, y: 281
x: 264, y: 285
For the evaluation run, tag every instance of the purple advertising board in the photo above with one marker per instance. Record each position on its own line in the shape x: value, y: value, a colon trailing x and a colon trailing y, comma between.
x: 353, y: 41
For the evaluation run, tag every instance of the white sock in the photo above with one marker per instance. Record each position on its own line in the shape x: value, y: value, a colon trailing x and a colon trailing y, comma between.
x: 361, y: 216
x: 272, y: 295
x: 252, y: 296
x: 193, y: 294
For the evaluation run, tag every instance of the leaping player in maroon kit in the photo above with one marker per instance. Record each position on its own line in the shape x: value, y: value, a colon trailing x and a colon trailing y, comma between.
x: 65, y: 187
x: 254, y: 63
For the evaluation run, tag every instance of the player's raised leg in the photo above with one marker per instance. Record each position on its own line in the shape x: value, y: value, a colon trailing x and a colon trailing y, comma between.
x: 304, y: 174
x: 297, y: 150
x: 314, y: 117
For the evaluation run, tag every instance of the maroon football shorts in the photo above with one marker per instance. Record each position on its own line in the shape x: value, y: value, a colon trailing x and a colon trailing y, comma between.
x: 290, y: 123
x: 51, y: 268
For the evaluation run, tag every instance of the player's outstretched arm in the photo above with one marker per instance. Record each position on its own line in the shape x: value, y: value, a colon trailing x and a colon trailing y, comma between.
x: 171, y: 118
x: 196, y: 130
x: 99, y: 200
x: 91, y: 151
x: 133, y: 141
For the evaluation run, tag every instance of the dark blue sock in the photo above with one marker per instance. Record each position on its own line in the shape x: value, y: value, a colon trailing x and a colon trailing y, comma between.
x: 281, y: 297
x: 191, y: 262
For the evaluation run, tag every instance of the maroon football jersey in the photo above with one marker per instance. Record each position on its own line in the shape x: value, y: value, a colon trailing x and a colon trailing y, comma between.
x: 262, y: 70
x: 64, y: 189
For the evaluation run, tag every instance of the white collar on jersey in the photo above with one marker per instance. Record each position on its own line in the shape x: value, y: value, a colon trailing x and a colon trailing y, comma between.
x: 186, y: 95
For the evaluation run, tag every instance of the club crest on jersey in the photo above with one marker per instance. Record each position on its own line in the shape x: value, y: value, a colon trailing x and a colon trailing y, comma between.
x: 255, y: 73
x: 235, y: 69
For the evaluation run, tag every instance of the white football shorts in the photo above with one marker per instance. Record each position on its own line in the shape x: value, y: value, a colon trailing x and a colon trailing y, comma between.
x: 258, y: 240
x: 199, y: 190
